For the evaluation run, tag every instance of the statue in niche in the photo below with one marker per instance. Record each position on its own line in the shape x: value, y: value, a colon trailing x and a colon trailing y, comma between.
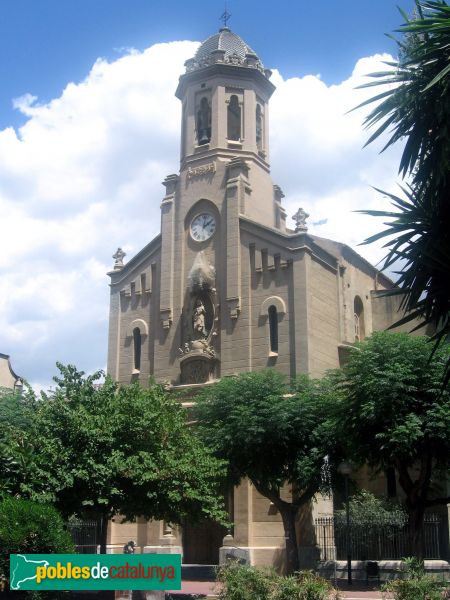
x: 198, y: 319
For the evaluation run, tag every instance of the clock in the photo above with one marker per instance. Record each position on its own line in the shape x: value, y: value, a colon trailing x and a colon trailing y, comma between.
x: 203, y: 227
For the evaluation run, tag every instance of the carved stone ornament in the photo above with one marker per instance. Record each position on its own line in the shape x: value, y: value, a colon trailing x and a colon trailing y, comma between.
x: 118, y: 256
x: 198, y: 361
x: 202, y: 170
x: 202, y: 274
x: 218, y: 57
x: 166, y: 317
x: 234, y: 306
x: 197, y: 369
x: 203, y: 316
x: 198, y: 319
x: 300, y: 220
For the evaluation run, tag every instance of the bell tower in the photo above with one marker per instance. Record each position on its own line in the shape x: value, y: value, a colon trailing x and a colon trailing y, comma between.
x: 224, y: 177
x: 225, y: 93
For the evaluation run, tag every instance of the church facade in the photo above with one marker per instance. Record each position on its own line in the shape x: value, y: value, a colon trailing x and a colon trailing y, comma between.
x: 227, y: 287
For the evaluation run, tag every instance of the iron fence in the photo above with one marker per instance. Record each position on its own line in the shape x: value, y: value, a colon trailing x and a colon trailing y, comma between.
x: 84, y: 535
x: 374, y: 540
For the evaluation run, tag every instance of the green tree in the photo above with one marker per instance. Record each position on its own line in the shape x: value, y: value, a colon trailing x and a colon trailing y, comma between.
x: 272, y: 435
x: 16, y: 453
x: 103, y: 450
x: 394, y: 414
x: 416, y: 108
x: 367, y: 510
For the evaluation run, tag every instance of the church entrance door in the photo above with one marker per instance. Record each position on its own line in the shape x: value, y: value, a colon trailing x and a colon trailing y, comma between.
x: 201, y: 543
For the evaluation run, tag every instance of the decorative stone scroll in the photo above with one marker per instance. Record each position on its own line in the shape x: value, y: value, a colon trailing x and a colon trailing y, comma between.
x: 202, y: 170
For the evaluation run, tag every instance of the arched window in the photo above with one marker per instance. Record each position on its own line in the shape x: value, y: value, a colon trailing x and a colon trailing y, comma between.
x: 273, y: 328
x: 358, y: 309
x: 234, y: 119
x: 204, y: 122
x: 259, y: 131
x: 137, y: 348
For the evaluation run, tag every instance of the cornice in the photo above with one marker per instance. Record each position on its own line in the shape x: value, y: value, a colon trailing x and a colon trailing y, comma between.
x: 291, y: 242
x: 226, y: 70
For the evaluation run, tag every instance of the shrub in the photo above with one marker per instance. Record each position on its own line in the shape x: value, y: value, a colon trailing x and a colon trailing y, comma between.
x: 425, y: 588
x: 30, y: 528
x: 305, y: 585
x: 416, y: 585
x: 242, y: 582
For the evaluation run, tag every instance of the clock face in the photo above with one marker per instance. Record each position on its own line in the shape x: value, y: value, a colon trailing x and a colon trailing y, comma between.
x: 203, y: 227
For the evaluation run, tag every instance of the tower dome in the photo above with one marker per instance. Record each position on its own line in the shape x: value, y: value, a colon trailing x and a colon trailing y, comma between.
x: 224, y: 47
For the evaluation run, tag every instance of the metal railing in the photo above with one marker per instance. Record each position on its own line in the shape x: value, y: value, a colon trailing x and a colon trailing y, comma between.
x: 374, y: 540
x: 84, y: 535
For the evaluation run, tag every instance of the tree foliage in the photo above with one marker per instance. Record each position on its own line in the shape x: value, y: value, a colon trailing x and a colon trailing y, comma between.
x: 103, y: 450
x: 367, y: 510
x: 393, y: 413
x: 273, y: 435
x: 16, y: 452
x: 30, y: 528
x: 416, y: 108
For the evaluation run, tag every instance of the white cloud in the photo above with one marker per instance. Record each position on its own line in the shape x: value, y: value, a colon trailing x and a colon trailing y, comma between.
x: 83, y: 176
x: 318, y: 156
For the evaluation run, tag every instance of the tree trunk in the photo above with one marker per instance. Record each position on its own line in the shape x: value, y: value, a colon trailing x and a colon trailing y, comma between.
x: 292, y: 560
x: 416, y: 531
x: 104, y: 519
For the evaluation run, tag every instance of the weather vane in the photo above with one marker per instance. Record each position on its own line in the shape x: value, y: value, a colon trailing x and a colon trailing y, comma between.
x: 226, y: 16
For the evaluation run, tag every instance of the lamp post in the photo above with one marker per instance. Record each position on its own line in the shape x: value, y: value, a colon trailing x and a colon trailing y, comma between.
x: 345, y: 469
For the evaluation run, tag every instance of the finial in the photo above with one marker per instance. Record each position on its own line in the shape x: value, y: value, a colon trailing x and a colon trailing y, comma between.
x: 300, y: 220
x: 118, y: 257
x: 225, y: 16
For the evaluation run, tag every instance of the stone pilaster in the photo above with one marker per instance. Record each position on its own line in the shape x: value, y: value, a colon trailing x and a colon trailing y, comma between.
x: 168, y: 251
x: 300, y: 279
x: 236, y: 189
x: 238, y: 545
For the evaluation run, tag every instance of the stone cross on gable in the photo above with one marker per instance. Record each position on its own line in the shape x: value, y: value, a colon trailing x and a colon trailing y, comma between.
x: 300, y: 220
x: 118, y: 257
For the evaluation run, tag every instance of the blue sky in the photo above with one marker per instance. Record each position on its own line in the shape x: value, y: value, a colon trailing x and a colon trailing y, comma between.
x: 45, y: 43
x: 89, y: 127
